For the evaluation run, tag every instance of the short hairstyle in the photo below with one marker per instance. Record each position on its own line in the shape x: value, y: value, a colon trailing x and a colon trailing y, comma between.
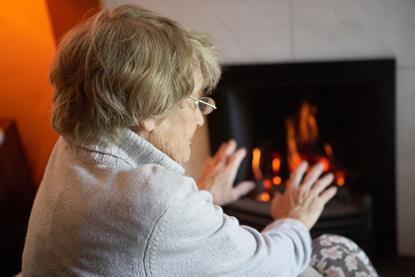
x: 123, y: 66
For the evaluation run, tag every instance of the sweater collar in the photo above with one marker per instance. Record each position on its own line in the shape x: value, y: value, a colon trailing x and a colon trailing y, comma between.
x: 131, y: 149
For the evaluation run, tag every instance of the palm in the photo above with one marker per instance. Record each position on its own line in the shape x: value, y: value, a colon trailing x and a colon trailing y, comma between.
x: 219, y: 175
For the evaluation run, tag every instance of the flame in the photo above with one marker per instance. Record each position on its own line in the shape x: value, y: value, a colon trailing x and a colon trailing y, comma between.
x: 302, y: 138
x: 340, y: 178
x: 294, y: 158
x: 328, y: 149
x: 263, y: 197
x: 325, y: 162
x: 267, y: 184
x: 277, y: 180
x: 276, y: 164
x: 305, y: 133
x: 256, y: 160
x: 308, y: 123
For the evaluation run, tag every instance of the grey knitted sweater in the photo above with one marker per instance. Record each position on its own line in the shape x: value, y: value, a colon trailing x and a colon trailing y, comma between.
x: 127, y: 209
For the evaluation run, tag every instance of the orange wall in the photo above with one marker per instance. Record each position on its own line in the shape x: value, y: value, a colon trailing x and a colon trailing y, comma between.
x: 66, y: 14
x: 26, y: 51
x: 28, y: 31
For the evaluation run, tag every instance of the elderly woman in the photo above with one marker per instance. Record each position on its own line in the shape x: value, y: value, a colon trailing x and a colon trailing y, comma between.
x: 130, y: 91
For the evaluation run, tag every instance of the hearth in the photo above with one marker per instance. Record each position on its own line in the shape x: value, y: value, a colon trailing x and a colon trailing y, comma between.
x: 338, y: 113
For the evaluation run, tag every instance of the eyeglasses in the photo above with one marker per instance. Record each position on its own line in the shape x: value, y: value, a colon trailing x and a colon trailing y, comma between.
x: 205, y: 104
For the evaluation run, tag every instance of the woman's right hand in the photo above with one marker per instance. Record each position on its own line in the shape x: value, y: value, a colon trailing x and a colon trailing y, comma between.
x: 304, y: 198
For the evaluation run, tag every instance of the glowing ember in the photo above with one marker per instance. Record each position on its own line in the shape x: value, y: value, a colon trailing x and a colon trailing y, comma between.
x: 340, y: 178
x: 277, y: 180
x: 325, y: 162
x: 276, y: 164
x: 267, y: 184
x: 263, y: 197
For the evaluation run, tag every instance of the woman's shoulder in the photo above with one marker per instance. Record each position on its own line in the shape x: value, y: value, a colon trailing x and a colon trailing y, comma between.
x: 153, y: 186
x: 151, y: 177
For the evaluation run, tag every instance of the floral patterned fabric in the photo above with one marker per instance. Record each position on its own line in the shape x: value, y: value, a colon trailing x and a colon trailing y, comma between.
x: 337, y: 256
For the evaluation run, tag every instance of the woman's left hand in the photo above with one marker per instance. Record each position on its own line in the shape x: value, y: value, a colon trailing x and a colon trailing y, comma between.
x: 219, y: 173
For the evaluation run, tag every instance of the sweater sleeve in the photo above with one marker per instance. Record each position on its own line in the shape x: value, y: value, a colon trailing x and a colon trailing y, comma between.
x: 194, y: 237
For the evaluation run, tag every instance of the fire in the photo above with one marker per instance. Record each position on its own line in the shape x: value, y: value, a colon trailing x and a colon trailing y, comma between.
x: 256, y: 161
x: 308, y: 123
x: 267, y: 184
x: 328, y: 149
x: 340, y: 177
x: 263, y: 197
x: 302, y: 142
x: 276, y: 164
x: 303, y: 134
x: 294, y: 158
x: 325, y: 162
x: 277, y: 180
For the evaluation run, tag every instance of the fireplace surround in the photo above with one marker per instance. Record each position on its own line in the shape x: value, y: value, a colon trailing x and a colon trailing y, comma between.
x: 354, y: 105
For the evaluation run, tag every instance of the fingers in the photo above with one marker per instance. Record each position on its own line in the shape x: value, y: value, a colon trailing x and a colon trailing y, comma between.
x: 234, y: 162
x: 321, y: 185
x: 223, y: 168
x: 297, y: 175
x: 311, y: 177
x: 220, y: 153
x: 226, y: 149
x: 242, y: 189
x: 231, y: 147
x: 226, y: 154
x: 208, y: 163
x: 328, y: 194
x: 319, y: 192
x: 215, y: 164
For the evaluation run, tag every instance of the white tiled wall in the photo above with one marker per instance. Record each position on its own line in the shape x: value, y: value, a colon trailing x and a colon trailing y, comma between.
x: 285, y: 30
x: 406, y: 160
x: 354, y: 28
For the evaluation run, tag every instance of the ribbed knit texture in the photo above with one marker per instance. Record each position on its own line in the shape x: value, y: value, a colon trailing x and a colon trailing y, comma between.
x: 127, y: 209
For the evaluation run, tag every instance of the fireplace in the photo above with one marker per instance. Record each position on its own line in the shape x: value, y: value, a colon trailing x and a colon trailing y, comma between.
x: 339, y: 113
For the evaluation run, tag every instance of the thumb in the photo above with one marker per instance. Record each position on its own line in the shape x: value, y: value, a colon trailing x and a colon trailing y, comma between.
x: 208, y: 163
x: 275, y: 204
x: 242, y: 189
x: 278, y: 196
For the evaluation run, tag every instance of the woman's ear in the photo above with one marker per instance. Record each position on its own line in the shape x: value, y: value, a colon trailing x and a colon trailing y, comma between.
x: 148, y: 124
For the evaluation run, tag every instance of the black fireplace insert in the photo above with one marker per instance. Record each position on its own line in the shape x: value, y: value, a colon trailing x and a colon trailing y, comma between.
x: 338, y: 113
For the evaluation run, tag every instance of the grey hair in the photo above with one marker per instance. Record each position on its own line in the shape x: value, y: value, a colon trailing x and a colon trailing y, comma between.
x: 123, y: 66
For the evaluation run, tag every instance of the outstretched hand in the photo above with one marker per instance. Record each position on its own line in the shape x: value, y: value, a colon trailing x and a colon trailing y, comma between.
x: 219, y: 174
x: 304, y: 199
